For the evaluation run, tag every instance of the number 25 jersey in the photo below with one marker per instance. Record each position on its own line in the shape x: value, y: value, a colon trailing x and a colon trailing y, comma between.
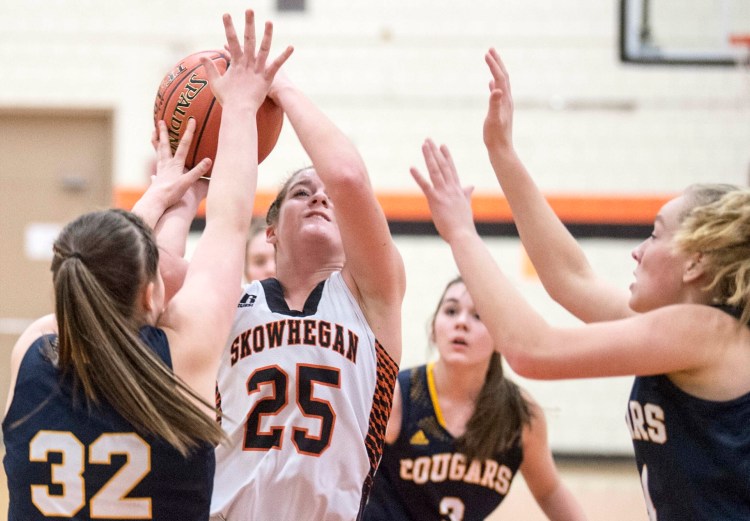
x: 304, y: 398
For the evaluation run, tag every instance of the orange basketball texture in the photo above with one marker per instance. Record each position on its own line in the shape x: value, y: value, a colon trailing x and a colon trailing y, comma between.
x: 184, y: 93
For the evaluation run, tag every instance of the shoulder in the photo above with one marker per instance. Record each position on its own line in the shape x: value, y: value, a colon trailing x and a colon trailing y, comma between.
x: 701, y: 332
x: 46, y: 325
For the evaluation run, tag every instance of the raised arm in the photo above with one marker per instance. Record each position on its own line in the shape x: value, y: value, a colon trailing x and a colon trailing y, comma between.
x: 171, y: 236
x: 171, y: 182
x: 638, y: 345
x: 374, y: 269
x: 173, y: 226
x: 199, y: 316
x: 556, y: 255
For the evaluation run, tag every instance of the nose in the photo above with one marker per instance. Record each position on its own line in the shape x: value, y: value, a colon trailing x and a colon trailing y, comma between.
x: 637, y: 252
x: 319, y: 197
x: 462, y: 321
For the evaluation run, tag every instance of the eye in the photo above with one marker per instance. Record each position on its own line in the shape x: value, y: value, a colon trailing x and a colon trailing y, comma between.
x: 450, y: 311
x: 300, y: 192
x: 476, y: 316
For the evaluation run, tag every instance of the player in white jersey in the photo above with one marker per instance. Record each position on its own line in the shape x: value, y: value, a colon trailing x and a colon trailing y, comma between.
x: 305, y: 387
x: 311, y: 382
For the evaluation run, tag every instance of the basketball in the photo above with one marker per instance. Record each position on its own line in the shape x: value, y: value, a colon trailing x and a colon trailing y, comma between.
x: 184, y: 93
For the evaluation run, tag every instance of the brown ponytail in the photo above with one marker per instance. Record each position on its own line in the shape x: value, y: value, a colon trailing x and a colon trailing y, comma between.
x: 103, y: 262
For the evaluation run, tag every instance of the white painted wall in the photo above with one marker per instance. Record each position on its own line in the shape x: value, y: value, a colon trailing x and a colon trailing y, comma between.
x: 391, y: 73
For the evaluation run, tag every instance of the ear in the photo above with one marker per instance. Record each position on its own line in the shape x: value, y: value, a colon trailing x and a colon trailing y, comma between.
x: 147, y: 298
x: 694, y: 268
x: 271, y: 234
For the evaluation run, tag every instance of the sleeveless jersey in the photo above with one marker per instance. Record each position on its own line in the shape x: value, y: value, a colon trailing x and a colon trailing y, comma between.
x: 693, y: 455
x: 67, y: 460
x: 423, y: 476
x: 304, y: 398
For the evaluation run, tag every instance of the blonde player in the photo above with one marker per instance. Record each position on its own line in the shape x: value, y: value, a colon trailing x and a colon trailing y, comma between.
x: 682, y: 330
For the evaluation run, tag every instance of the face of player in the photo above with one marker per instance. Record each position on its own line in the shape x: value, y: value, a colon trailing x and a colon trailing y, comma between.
x: 457, y: 331
x: 260, y: 263
x: 307, y: 213
x: 660, y: 268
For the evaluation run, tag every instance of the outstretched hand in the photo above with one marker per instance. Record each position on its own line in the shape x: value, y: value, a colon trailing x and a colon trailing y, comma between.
x: 498, y: 124
x: 249, y: 76
x: 172, y: 178
x: 450, y: 203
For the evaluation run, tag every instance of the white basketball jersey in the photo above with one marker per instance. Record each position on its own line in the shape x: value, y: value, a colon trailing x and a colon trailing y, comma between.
x: 305, y: 398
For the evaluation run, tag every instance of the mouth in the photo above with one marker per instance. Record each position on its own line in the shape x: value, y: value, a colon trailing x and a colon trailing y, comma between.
x: 459, y: 343
x: 318, y: 214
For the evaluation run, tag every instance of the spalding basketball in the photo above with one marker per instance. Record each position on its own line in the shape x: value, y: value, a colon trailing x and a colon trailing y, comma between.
x: 184, y: 93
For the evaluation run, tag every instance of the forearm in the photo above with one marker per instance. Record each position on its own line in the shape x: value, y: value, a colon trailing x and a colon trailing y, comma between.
x: 560, y: 505
x: 515, y: 327
x: 330, y: 150
x: 171, y: 235
x: 556, y: 255
x: 150, y: 207
x: 234, y: 175
x: 172, y: 229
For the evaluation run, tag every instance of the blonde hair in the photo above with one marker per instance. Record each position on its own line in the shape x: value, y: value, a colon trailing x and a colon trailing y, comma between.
x: 718, y: 227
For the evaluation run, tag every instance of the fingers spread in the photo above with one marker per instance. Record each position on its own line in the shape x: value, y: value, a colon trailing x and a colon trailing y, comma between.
x: 199, y: 170
x: 421, y: 181
x: 187, y: 138
x: 279, y: 61
x: 212, y: 73
x: 265, y: 46
x: 233, y: 43
x: 249, y: 41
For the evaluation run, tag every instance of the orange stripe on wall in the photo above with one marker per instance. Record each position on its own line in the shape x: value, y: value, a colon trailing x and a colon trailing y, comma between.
x: 583, y: 209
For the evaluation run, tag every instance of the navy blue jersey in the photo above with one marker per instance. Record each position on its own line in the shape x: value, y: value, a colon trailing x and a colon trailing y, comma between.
x: 66, y: 460
x: 422, y: 476
x: 693, y: 455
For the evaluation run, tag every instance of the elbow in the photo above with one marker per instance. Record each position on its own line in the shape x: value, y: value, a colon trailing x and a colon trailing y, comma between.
x: 522, y: 364
x: 528, y: 360
x: 346, y: 176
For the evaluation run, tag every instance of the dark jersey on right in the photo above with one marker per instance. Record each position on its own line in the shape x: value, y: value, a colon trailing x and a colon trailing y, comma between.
x: 693, y: 455
x: 422, y: 475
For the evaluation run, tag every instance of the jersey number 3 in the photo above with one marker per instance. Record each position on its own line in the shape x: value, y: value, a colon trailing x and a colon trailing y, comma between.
x: 307, y: 377
x: 110, y: 501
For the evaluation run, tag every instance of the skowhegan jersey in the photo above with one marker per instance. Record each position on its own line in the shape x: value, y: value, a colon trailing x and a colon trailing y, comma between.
x: 68, y: 460
x: 305, y: 397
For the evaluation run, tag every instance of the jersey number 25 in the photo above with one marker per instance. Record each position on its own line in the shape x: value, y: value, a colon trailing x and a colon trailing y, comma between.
x: 307, y: 377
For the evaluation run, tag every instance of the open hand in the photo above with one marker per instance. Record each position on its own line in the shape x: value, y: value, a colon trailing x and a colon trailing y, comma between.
x: 172, y: 179
x: 249, y: 76
x: 498, y: 124
x: 450, y: 203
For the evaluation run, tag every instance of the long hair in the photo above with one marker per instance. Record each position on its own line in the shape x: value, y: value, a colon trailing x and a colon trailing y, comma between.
x: 103, y: 262
x: 718, y: 227
x: 500, y: 413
